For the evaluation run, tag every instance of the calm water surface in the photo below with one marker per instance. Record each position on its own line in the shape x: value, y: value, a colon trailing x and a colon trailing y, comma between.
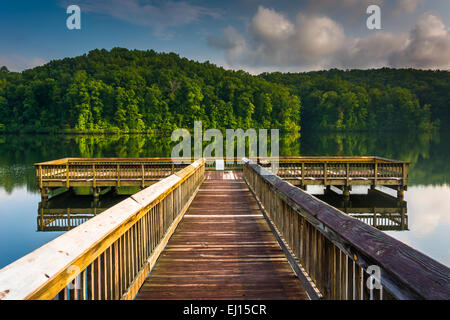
x: 427, y: 226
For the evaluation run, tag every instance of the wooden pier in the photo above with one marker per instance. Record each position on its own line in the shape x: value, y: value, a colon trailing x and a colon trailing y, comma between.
x: 223, y: 249
x: 341, y: 172
x: 243, y: 234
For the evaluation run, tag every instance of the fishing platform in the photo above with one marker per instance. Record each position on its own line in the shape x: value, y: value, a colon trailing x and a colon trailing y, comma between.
x: 340, y: 172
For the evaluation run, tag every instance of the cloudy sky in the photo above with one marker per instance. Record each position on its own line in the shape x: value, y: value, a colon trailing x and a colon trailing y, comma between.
x: 257, y: 36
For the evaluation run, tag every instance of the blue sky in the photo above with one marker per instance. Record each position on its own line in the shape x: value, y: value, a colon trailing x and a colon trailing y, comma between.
x: 252, y: 35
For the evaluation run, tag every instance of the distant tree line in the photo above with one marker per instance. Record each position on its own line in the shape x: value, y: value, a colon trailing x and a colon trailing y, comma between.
x: 140, y: 91
x: 379, y: 99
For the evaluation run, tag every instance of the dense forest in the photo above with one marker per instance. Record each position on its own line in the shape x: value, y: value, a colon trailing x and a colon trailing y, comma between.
x: 141, y: 91
x: 379, y: 99
x: 122, y: 90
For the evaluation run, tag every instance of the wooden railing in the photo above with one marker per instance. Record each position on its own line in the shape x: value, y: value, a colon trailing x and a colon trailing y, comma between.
x: 104, y: 171
x: 65, y: 220
x: 336, y: 252
x: 109, y: 256
x: 384, y: 221
x: 140, y: 171
x: 343, y: 171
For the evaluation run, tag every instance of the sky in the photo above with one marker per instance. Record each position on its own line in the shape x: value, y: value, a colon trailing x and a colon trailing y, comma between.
x: 256, y: 36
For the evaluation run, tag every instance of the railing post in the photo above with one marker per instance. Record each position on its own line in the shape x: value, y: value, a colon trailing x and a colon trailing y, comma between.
x: 143, y: 175
x: 40, y: 176
x: 348, y: 174
x: 375, y: 174
x: 328, y: 270
x: 303, y: 173
x: 118, y: 175
x: 93, y: 175
x: 68, y: 218
x: 67, y: 175
x: 404, y: 174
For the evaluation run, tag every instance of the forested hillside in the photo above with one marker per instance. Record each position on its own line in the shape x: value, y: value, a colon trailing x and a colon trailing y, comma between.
x: 123, y: 90
x: 139, y: 91
x: 381, y: 99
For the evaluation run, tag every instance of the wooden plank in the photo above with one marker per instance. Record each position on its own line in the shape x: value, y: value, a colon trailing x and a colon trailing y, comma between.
x: 350, y: 279
x: 236, y: 253
x: 97, y: 275
x: 358, y: 282
x: 343, y: 280
x: 90, y: 282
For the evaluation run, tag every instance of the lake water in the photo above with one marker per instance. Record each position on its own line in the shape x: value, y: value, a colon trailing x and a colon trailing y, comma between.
x: 428, y: 207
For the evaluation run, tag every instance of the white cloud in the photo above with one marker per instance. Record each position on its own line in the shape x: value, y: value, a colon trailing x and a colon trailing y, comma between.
x: 318, y: 36
x: 372, y: 51
x: 274, y: 40
x: 428, y: 46
x: 271, y: 25
x: 314, y: 42
x: 16, y: 62
x: 156, y: 14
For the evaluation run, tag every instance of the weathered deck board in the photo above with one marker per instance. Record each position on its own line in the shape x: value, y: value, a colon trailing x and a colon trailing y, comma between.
x: 223, y: 249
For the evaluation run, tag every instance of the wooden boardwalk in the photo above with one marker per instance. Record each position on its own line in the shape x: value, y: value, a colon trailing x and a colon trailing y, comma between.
x: 223, y: 249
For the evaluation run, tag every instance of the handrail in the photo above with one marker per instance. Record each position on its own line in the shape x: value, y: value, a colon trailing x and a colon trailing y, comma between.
x: 235, y: 159
x: 336, y: 250
x: 109, y: 256
x: 101, y: 172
